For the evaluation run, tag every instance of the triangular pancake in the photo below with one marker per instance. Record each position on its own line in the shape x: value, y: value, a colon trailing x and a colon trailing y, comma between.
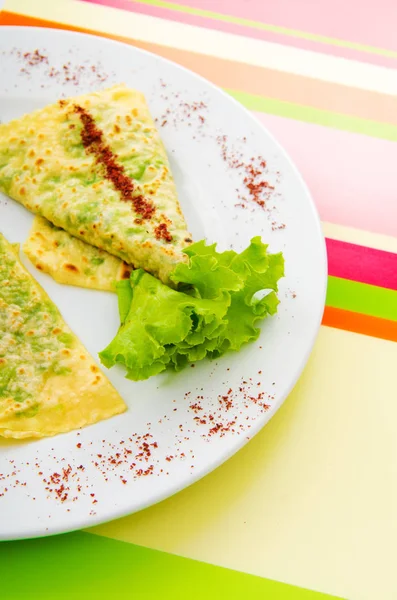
x: 70, y: 261
x: 49, y: 383
x: 95, y: 166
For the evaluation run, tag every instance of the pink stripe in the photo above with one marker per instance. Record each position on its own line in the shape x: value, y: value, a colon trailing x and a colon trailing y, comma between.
x: 353, y: 177
x: 372, y: 22
x: 268, y: 36
x: 363, y: 264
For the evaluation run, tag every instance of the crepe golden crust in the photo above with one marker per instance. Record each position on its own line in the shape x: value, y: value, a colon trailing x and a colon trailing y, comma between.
x: 95, y: 166
x: 49, y: 383
x: 70, y: 261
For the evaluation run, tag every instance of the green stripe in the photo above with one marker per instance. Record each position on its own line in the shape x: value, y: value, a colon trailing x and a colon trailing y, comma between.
x: 362, y: 298
x: 318, y: 116
x: 82, y: 565
x: 313, y: 37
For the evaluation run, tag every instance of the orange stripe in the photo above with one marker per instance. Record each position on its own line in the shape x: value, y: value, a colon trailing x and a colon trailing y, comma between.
x: 255, y: 80
x: 359, y: 323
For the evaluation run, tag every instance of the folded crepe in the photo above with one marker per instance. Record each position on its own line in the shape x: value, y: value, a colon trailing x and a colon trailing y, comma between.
x: 49, y: 383
x: 95, y: 166
x: 70, y: 261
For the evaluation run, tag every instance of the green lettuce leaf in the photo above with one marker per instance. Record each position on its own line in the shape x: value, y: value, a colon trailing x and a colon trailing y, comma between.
x: 124, y: 296
x: 221, y: 296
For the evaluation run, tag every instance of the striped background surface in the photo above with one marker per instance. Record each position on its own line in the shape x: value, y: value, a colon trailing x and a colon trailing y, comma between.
x: 312, y: 499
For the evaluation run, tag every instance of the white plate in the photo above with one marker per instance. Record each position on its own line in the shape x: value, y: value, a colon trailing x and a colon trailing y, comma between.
x: 106, y: 487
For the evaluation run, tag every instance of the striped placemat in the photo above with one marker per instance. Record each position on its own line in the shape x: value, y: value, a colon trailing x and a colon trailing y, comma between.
x: 311, y: 500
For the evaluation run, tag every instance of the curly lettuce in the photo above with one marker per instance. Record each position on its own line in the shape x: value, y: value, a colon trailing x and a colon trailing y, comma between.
x: 220, y: 298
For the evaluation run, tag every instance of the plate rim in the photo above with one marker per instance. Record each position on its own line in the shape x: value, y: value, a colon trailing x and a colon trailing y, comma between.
x: 221, y: 457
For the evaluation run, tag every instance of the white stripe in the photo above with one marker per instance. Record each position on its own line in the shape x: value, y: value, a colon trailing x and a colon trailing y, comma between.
x: 360, y: 237
x: 213, y: 43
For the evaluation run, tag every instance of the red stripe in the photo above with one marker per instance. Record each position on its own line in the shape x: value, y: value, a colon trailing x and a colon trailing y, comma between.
x: 359, y: 263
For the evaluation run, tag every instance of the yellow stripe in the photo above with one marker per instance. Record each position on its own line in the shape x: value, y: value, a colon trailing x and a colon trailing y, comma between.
x: 314, y: 489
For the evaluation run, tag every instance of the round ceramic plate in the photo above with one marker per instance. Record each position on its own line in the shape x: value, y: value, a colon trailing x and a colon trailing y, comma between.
x: 178, y: 427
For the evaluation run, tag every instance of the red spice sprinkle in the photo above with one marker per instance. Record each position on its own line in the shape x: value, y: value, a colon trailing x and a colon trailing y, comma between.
x: 257, y: 189
x: 67, y: 74
x: 78, y: 445
x: 245, y: 396
x: 66, y: 473
x: 35, y: 58
x: 92, y: 138
x: 181, y: 111
x: 161, y: 232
